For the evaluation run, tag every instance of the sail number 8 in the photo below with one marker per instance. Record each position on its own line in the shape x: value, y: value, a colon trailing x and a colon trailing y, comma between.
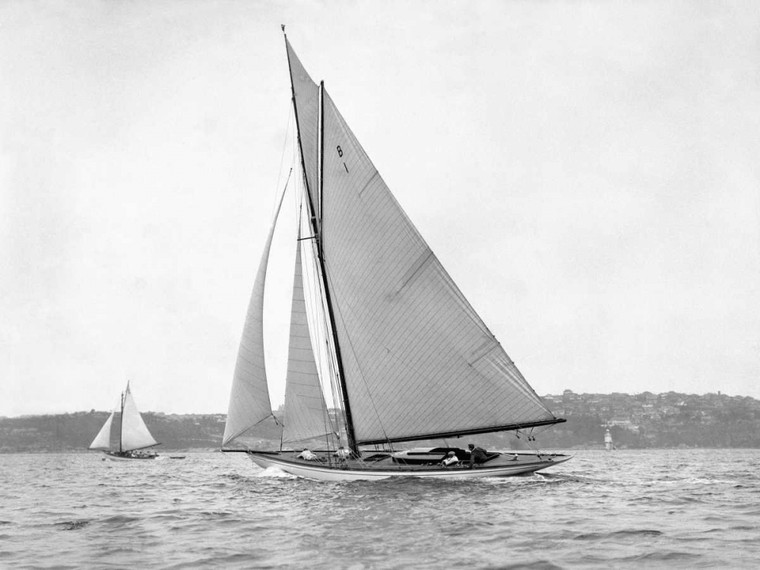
x: 340, y: 155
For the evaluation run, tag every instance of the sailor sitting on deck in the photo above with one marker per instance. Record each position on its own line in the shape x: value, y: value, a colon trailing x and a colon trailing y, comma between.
x: 308, y: 455
x: 450, y: 459
x: 478, y: 455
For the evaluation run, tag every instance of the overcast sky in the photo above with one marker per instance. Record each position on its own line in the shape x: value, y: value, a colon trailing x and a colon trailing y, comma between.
x: 587, y: 172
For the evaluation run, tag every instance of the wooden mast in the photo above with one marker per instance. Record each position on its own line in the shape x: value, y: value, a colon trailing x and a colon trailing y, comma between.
x: 316, y: 224
x: 121, y: 417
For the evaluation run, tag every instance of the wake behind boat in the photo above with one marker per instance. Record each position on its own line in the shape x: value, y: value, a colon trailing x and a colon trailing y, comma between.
x: 133, y: 439
x: 378, y: 330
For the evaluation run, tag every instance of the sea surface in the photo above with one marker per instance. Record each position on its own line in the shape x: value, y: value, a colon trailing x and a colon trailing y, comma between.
x: 619, y: 509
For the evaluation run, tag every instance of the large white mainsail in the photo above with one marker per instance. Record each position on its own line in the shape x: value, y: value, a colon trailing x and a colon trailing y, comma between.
x: 134, y: 432
x: 249, y: 397
x: 305, y: 409
x: 103, y: 439
x: 418, y: 361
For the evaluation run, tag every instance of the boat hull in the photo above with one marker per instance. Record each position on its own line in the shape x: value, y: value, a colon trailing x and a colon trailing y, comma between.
x: 359, y: 471
x: 117, y: 456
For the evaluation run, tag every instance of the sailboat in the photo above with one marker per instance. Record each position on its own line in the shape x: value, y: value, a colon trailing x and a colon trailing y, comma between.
x: 134, y: 437
x: 384, y: 348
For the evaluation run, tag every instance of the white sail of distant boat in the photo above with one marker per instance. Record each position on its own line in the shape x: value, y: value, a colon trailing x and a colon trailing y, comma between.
x: 102, y: 441
x: 133, y: 435
x: 408, y: 358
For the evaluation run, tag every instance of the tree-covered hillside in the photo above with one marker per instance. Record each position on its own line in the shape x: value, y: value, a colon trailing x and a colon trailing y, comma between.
x: 635, y: 421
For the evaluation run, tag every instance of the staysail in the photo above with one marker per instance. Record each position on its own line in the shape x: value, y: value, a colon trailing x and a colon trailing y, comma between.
x: 134, y: 432
x: 419, y: 362
x: 103, y: 439
x: 305, y: 409
x: 249, y: 397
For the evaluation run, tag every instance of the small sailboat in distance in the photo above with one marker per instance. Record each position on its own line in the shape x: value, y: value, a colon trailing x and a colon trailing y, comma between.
x: 134, y: 437
x: 378, y: 328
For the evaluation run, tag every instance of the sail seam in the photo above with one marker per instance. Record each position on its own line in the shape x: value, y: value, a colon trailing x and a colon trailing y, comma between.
x: 414, y: 270
x: 366, y: 185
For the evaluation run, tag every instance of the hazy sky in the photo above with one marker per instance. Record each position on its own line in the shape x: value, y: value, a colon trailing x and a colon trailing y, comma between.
x: 587, y: 171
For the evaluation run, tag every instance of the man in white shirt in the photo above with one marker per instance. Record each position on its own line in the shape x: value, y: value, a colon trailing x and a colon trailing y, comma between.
x: 450, y: 459
x: 308, y: 455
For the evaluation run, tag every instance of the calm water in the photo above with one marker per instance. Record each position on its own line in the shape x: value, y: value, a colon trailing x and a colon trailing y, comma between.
x: 624, y: 509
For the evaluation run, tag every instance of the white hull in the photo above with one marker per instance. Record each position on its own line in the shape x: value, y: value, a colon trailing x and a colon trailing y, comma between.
x: 364, y: 472
x: 114, y: 457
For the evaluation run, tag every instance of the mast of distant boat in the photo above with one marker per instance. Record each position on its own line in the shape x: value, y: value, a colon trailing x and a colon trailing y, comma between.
x: 121, y: 418
x: 315, y: 218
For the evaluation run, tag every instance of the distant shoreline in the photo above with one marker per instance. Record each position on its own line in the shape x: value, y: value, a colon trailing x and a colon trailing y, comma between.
x: 641, y: 421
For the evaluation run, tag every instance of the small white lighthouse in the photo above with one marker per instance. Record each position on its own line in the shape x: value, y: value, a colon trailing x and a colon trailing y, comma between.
x: 608, y: 440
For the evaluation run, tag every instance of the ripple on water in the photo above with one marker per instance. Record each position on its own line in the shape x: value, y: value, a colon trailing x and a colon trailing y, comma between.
x: 663, y: 556
x: 72, y: 525
x: 622, y: 510
x: 633, y: 533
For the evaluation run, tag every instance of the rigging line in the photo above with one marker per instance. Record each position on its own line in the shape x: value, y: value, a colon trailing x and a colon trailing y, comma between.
x: 249, y: 428
x: 539, y: 430
x: 327, y: 420
x: 316, y: 313
x: 334, y: 372
x: 316, y: 317
x: 332, y: 381
x: 329, y: 351
x: 326, y: 352
x: 535, y: 448
x: 530, y: 441
x: 286, y: 138
x: 361, y: 372
x: 328, y: 355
